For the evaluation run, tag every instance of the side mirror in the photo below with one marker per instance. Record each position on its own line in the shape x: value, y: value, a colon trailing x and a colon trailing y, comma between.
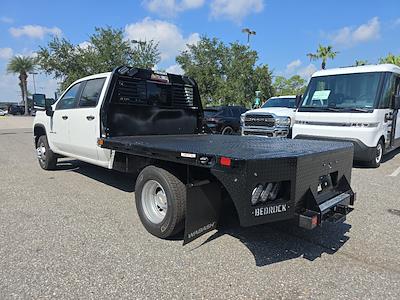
x: 48, y: 108
x: 298, y: 100
x: 396, y: 102
x: 39, y: 101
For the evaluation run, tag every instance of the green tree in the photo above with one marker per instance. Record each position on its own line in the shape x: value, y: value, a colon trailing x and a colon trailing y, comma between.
x: 294, y: 85
x: 106, y: 49
x: 22, y: 65
x: 323, y: 53
x: 390, y: 59
x: 226, y: 74
x: 361, y: 63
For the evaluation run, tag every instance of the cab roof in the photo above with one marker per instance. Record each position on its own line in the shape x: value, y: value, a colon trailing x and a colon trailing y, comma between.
x: 360, y: 69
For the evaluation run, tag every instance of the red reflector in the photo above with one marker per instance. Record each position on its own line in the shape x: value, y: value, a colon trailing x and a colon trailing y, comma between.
x: 314, y: 220
x: 225, y: 161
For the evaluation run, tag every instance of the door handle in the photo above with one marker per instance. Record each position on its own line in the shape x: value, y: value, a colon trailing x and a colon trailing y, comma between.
x: 64, y: 117
x: 90, y: 118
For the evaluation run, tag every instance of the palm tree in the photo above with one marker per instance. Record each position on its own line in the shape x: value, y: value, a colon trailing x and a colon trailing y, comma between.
x: 22, y: 65
x: 323, y: 53
x: 390, y: 59
x: 361, y: 63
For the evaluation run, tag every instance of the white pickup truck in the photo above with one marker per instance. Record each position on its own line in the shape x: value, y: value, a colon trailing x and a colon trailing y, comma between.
x: 152, y: 124
x: 275, y: 118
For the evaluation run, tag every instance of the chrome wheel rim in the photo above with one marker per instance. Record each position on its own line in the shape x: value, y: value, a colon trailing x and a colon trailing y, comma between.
x: 227, y: 130
x: 154, y: 201
x: 41, y: 152
x: 379, y: 153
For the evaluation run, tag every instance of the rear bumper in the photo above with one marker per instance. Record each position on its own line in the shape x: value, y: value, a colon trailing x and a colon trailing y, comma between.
x: 333, y: 210
x: 361, y: 151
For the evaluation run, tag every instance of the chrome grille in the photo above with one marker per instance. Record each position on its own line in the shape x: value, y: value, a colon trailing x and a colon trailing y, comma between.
x: 259, y: 120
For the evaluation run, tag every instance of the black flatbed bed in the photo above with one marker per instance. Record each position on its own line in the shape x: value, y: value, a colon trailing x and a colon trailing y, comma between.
x: 235, y: 147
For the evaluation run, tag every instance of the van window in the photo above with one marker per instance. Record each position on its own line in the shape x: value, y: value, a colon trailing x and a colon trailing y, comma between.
x: 342, y: 92
x: 388, y: 91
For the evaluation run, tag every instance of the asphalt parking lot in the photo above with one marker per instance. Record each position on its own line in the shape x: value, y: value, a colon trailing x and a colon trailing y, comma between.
x: 74, y: 233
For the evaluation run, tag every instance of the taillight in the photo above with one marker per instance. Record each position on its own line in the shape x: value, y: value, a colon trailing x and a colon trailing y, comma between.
x: 225, y: 161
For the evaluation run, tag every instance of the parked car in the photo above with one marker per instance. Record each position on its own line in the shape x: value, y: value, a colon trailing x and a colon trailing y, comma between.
x: 224, y: 119
x: 274, y: 119
x: 2, y: 112
x: 16, y: 110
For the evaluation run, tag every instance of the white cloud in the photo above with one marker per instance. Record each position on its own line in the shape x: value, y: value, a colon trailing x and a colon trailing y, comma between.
x: 175, y: 69
x: 6, y: 20
x: 307, y: 71
x: 296, y: 67
x: 348, y: 36
x: 235, y: 10
x: 84, y: 45
x: 34, y: 31
x: 169, y: 36
x: 6, y: 53
x: 171, y: 8
x: 396, y: 22
x: 292, y: 66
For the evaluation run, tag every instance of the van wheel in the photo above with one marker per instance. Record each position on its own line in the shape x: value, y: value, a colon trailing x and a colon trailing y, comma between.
x: 378, y: 155
x: 160, y: 201
x: 47, y: 158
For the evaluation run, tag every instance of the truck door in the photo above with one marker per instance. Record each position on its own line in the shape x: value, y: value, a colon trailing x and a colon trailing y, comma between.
x: 84, y: 126
x: 396, y: 118
x: 59, y: 135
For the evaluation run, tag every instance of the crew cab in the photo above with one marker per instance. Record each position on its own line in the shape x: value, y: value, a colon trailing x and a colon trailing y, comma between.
x: 275, y: 118
x: 355, y: 104
x: 151, y: 124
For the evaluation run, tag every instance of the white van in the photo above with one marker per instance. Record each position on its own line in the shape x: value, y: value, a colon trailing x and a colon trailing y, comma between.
x: 357, y: 104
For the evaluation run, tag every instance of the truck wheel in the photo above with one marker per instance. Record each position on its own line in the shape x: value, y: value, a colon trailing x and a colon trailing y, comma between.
x: 375, y: 161
x: 47, y: 158
x: 160, y: 201
x: 227, y: 130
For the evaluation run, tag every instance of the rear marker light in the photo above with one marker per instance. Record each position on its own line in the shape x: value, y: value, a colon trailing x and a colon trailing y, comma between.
x: 225, y: 161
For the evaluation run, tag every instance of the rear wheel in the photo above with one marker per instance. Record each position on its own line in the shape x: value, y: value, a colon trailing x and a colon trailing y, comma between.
x: 160, y: 201
x: 227, y: 130
x: 47, y: 159
x: 375, y: 161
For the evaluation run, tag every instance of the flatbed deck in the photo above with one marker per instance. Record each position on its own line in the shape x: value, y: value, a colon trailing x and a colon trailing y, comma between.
x: 241, y: 148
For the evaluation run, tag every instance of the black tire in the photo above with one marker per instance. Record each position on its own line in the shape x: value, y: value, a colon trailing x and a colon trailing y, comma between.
x: 376, y: 160
x: 175, y: 191
x: 228, y: 130
x: 48, y: 160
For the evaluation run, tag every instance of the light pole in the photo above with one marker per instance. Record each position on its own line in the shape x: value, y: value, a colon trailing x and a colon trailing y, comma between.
x: 249, y: 33
x: 34, y: 83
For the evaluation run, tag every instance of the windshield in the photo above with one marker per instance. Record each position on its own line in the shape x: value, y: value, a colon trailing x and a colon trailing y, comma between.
x: 346, y: 92
x: 280, y: 102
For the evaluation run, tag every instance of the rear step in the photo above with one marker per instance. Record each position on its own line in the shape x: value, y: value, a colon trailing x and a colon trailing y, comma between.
x: 334, y: 210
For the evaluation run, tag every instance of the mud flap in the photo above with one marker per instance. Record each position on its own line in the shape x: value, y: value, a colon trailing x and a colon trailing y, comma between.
x: 203, y: 205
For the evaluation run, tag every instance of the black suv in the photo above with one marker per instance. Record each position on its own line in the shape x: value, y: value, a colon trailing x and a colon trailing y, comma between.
x: 16, y: 110
x: 224, y: 119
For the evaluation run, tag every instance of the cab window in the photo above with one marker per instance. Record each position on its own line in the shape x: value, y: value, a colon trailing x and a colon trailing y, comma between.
x: 70, y: 98
x: 91, y: 92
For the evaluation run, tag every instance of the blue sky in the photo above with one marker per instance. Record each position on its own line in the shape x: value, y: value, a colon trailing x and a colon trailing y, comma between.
x: 286, y: 30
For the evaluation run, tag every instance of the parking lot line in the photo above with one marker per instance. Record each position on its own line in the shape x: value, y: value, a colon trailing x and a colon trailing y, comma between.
x: 395, y: 173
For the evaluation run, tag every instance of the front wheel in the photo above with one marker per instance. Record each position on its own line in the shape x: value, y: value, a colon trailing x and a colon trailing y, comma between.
x: 376, y: 160
x: 227, y: 130
x: 47, y: 159
x: 160, y: 201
